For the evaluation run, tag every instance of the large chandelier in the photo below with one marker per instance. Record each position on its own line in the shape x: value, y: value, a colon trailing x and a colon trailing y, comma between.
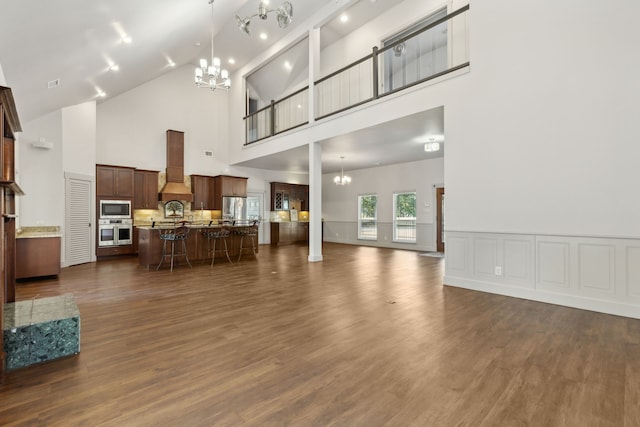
x: 207, y: 74
x: 284, y: 13
x: 342, y: 179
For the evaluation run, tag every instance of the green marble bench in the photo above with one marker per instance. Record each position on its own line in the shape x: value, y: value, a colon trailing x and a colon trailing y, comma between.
x: 40, y: 330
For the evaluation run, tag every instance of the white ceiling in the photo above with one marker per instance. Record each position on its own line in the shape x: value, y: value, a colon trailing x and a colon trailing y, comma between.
x: 76, y: 41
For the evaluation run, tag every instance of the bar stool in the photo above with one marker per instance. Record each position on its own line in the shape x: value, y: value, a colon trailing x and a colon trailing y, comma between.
x: 178, y: 234
x: 250, y: 231
x: 217, y: 234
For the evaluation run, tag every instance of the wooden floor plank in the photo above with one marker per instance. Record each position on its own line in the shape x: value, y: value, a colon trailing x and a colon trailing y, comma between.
x: 368, y: 337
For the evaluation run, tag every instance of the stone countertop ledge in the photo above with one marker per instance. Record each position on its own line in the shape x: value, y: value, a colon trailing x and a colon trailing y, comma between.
x: 38, y: 232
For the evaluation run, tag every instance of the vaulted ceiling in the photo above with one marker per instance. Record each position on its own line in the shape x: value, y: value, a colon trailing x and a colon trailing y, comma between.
x: 75, y: 46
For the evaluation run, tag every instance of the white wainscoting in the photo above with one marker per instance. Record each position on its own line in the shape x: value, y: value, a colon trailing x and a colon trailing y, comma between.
x: 591, y: 273
x: 347, y: 232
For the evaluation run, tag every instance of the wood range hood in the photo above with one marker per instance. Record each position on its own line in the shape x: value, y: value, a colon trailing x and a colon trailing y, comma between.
x: 175, y: 189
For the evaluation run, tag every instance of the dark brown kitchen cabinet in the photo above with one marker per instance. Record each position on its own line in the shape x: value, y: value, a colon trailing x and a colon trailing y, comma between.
x: 114, y: 181
x: 8, y: 169
x: 289, y: 196
x: 225, y: 185
x: 283, y: 233
x: 9, y: 125
x: 230, y: 185
x: 204, y: 194
x: 145, y: 189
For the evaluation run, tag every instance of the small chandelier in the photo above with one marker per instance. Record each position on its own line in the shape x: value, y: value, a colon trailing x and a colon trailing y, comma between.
x: 342, y: 179
x: 284, y: 14
x: 212, y: 71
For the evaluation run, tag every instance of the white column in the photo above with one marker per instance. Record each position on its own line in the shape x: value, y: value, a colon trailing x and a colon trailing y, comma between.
x: 315, y: 199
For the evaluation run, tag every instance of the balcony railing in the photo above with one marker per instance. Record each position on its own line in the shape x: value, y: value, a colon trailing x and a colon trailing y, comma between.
x: 433, y: 51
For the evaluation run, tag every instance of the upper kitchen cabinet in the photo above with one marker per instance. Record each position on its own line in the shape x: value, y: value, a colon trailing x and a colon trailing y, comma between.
x: 8, y: 169
x: 204, y: 195
x: 114, y: 181
x: 230, y: 186
x: 145, y: 189
x: 289, y: 196
x: 9, y: 125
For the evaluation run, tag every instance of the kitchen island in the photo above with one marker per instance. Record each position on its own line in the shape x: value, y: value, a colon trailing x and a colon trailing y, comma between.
x: 150, y: 245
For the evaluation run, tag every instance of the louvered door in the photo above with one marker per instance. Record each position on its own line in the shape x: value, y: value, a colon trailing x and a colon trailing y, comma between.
x: 79, y: 232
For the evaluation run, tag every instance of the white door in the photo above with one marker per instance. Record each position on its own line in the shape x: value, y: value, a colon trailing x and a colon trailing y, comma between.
x: 255, y: 202
x: 78, y: 219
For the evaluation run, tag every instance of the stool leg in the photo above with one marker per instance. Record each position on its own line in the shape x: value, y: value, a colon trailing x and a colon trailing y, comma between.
x: 226, y: 250
x: 184, y: 249
x: 213, y: 253
x: 172, y: 251
x: 164, y: 252
x: 253, y: 246
x: 240, y: 250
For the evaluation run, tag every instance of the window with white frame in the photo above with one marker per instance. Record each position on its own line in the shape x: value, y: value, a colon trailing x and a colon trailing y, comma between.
x: 368, y: 217
x: 404, y: 217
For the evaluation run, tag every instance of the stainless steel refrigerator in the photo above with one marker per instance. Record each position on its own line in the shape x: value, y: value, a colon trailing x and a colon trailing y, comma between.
x: 234, y: 208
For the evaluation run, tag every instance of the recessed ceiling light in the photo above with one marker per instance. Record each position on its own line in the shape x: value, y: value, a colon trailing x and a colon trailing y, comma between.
x: 344, y: 18
x: 232, y: 61
x: 100, y: 93
x: 114, y: 67
x: 263, y: 36
x: 287, y: 65
x: 171, y: 63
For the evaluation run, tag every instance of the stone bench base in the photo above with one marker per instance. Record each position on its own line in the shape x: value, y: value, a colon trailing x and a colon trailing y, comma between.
x: 40, y: 330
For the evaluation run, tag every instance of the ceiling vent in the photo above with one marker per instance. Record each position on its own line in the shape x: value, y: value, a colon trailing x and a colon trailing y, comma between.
x: 53, y: 83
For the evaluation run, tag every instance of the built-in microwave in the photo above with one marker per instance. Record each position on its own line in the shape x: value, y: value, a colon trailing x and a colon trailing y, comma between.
x: 115, y: 209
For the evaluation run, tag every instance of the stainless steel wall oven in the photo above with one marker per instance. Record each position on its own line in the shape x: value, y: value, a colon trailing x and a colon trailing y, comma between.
x: 115, y: 232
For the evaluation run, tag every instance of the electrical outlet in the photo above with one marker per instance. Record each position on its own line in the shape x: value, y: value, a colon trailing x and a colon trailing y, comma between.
x: 498, y: 270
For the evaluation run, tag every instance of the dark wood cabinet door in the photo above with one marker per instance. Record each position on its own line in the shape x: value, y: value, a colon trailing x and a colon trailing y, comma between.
x: 8, y: 169
x: 124, y: 182
x: 203, y: 190
x: 114, y: 181
x: 145, y: 190
x: 105, y: 181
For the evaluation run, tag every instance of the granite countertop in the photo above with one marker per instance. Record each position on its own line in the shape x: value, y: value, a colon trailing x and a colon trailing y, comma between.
x: 41, y: 310
x: 165, y: 226
x: 38, y: 232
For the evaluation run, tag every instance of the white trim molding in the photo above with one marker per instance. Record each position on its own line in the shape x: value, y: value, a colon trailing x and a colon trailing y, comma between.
x: 592, y: 273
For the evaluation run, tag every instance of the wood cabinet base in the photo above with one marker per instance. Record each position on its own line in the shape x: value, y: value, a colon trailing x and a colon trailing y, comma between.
x: 39, y: 256
x: 283, y: 233
x: 114, y: 250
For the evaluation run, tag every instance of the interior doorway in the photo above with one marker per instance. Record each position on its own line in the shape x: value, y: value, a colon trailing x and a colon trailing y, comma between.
x: 440, y: 235
x: 79, y: 228
x: 255, y: 205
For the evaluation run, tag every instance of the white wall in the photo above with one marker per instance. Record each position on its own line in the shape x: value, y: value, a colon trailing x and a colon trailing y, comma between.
x: 131, y: 128
x: 3, y: 81
x: 340, y: 203
x: 41, y: 174
x: 79, y: 133
x: 545, y: 140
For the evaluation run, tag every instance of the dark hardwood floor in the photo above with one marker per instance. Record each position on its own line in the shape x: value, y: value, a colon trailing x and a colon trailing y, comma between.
x: 369, y: 337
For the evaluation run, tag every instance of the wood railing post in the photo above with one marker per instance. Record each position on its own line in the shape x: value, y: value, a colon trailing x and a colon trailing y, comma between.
x: 273, y: 117
x: 374, y: 61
